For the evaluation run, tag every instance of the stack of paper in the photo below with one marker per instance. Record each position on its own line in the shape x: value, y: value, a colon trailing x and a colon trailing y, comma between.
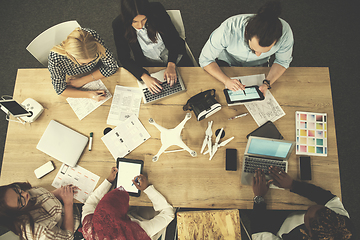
x: 126, y: 137
x: 80, y: 177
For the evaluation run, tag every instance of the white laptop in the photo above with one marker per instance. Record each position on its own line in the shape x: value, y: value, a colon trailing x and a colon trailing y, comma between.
x: 178, y: 87
x: 262, y: 153
x: 62, y: 143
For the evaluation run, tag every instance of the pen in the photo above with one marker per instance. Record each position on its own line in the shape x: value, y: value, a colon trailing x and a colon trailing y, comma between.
x: 244, y: 89
x: 135, y: 181
x: 91, y: 138
x: 241, y: 115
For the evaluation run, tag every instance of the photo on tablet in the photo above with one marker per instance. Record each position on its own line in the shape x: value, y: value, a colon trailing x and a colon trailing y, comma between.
x: 128, y: 169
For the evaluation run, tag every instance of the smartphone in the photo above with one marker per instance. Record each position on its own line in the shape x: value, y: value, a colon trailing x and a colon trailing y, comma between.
x: 14, y: 108
x: 231, y: 159
x: 305, y: 168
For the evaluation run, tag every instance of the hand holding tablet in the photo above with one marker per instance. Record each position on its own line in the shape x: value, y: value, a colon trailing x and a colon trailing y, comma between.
x: 128, y: 170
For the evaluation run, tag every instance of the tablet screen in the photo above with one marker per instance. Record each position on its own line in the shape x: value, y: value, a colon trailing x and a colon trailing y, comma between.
x: 126, y: 173
x: 239, y: 95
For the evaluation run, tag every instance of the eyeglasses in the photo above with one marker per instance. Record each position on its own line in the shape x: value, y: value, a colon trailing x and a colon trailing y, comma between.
x: 21, y: 198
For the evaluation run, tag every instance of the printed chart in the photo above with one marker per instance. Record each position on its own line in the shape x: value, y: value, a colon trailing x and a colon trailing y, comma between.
x: 311, y: 133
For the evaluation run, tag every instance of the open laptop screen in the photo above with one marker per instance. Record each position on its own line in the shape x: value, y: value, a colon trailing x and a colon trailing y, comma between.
x: 269, y: 148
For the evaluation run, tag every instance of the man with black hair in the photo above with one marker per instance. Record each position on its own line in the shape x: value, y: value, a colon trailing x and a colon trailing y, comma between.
x: 248, y: 40
x: 328, y: 219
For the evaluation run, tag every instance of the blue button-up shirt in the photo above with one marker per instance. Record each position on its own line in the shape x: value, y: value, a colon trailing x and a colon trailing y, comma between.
x: 228, y: 43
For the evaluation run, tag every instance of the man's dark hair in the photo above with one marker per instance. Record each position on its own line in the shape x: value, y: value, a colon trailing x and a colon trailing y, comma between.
x: 265, y: 25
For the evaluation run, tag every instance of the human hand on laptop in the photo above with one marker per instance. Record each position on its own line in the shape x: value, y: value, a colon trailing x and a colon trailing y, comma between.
x: 260, y: 185
x: 280, y: 178
x: 170, y: 74
x: 153, y: 84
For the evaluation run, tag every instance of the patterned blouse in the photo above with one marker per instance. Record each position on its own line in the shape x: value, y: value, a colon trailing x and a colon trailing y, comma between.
x: 60, y: 66
x: 49, y: 218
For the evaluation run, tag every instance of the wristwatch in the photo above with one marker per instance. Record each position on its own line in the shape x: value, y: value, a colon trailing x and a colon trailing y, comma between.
x: 267, y: 83
x: 258, y: 199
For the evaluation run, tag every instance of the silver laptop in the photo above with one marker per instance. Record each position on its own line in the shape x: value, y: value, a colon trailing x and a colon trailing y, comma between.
x: 62, y: 143
x: 263, y: 153
x: 178, y: 87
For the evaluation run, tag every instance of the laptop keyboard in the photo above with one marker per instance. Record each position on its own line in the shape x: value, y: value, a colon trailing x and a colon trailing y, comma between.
x: 166, y: 91
x: 252, y: 163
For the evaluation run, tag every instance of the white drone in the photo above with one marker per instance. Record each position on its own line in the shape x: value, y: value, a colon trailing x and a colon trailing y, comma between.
x: 170, y: 137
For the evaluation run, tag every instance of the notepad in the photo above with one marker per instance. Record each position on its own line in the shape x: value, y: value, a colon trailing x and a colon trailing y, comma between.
x: 126, y: 137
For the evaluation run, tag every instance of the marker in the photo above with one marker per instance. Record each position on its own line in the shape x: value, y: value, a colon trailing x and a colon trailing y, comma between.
x: 90, y: 143
x: 241, y: 115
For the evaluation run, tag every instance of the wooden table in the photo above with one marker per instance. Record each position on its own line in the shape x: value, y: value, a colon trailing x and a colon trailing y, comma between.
x: 184, y: 180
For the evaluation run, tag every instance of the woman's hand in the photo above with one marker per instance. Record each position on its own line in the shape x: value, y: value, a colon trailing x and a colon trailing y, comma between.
x: 153, y: 84
x: 234, y: 84
x: 141, y: 182
x: 65, y: 193
x: 280, y: 178
x: 170, y: 74
x: 97, y: 95
x: 112, y: 174
x: 260, y: 186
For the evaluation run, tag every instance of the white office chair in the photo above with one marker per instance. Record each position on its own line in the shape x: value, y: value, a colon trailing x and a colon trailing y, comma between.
x: 176, y: 19
x: 40, y: 47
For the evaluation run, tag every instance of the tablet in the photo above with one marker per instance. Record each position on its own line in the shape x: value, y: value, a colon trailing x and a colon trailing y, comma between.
x: 127, y: 170
x: 238, y: 97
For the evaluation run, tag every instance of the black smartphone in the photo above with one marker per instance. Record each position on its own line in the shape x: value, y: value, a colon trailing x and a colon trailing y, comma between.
x: 14, y: 108
x: 305, y: 168
x: 231, y: 159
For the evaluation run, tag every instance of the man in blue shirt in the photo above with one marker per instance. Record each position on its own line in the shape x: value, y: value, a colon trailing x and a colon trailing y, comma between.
x: 249, y: 40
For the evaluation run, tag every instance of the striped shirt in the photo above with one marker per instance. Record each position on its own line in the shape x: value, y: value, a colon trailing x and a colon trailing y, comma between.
x: 49, y: 218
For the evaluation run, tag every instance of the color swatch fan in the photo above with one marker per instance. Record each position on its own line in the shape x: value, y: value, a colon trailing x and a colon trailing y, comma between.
x: 311, y: 133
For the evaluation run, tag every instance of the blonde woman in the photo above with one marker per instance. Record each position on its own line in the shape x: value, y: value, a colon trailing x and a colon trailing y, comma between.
x: 84, y: 57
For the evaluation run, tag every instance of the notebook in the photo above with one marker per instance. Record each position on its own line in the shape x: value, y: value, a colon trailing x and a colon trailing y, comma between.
x: 263, y: 153
x: 62, y: 143
x: 178, y: 87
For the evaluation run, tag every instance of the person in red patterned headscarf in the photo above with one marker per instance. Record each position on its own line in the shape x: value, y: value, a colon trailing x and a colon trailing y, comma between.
x: 106, y: 214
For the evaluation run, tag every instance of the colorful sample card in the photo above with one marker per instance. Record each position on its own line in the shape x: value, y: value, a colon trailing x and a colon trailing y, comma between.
x: 311, y: 133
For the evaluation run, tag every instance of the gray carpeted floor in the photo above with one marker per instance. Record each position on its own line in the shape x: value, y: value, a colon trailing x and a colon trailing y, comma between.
x: 326, y: 34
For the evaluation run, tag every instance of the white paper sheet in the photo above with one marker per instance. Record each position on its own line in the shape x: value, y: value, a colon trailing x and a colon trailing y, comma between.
x: 126, y: 101
x: 84, y: 106
x: 262, y: 111
x: 85, y: 180
x: 126, y: 137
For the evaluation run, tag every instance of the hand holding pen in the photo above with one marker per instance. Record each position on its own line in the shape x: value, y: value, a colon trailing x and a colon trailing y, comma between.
x: 234, y: 84
x: 97, y: 95
x: 140, y: 182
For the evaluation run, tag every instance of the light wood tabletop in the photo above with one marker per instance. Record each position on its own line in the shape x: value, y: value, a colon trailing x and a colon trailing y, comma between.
x: 185, y: 181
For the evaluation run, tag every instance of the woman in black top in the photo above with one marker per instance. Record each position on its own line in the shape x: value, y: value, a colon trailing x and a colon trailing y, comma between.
x: 146, y: 30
